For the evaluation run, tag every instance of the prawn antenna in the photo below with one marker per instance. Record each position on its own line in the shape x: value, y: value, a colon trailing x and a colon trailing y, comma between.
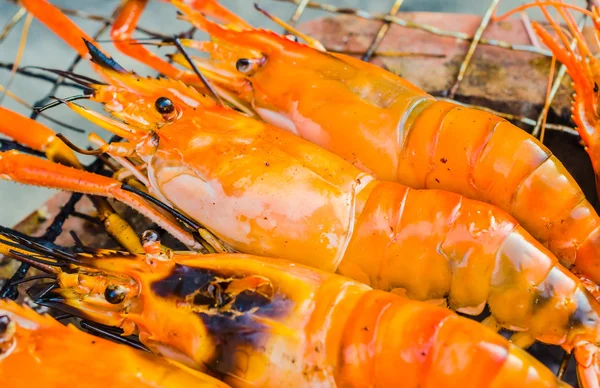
x: 112, y: 334
x: 60, y: 101
x: 38, y: 293
x: 80, y: 79
x: 98, y: 252
x: 181, y: 49
x: 13, y: 234
x: 135, y: 40
x: 75, y: 148
x: 102, y: 60
x: 182, y: 217
x: 47, y: 266
x: 32, y: 278
x: 29, y: 249
x: 78, y: 243
x: 312, y: 42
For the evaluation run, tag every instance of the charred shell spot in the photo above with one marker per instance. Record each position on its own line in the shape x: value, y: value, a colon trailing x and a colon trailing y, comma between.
x: 584, y: 315
x: 104, y: 61
x: 151, y: 241
x: 542, y: 297
x: 202, y: 287
x: 248, y: 300
x: 183, y: 281
x: 201, y: 299
x: 228, y: 304
x: 236, y: 332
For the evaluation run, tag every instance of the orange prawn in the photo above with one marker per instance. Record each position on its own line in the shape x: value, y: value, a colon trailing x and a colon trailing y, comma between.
x: 37, y: 350
x: 266, y: 322
x: 388, y: 127
x: 264, y: 191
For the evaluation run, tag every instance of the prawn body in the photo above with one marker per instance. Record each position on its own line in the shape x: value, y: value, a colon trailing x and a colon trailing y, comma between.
x: 390, y: 128
x: 258, y: 321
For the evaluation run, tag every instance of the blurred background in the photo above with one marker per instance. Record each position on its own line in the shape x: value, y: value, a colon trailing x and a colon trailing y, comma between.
x: 44, y: 49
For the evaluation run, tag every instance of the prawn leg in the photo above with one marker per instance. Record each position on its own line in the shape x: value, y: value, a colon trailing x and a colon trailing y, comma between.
x: 128, y: 19
x: 492, y: 323
x: 31, y: 170
x: 214, y: 9
x: 522, y: 339
x: 122, y: 35
x: 38, y: 137
x: 55, y: 20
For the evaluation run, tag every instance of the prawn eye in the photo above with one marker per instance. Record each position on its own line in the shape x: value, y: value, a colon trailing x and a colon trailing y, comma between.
x: 4, y: 322
x: 247, y: 65
x: 243, y: 65
x: 150, y: 236
x: 164, y: 105
x: 292, y: 37
x: 114, y: 294
x: 151, y: 241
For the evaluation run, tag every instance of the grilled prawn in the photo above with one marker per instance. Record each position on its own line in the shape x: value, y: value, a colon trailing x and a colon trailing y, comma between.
x: 36, y: 350
x: 266, y: 322
x: 386, y: 126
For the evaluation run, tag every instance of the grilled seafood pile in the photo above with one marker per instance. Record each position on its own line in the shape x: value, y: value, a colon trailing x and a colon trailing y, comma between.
x: 335, y: 219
